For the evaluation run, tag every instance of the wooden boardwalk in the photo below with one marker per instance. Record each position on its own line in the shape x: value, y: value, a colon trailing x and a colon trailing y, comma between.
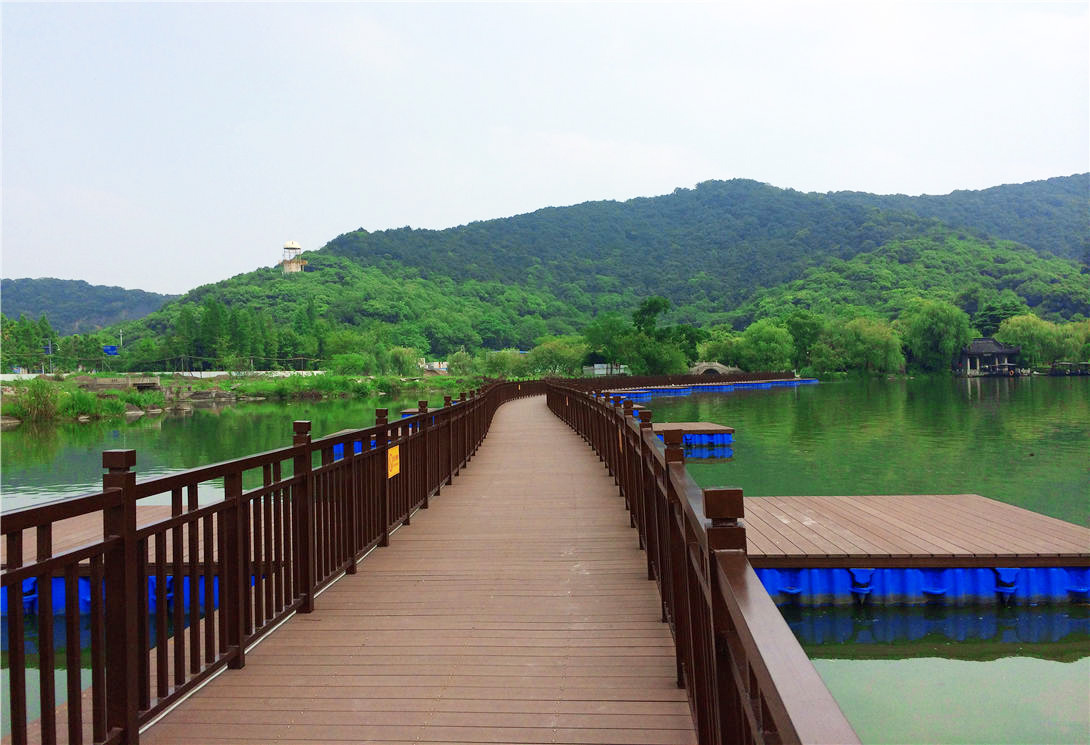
x: 949, y: 530
x: 515, y: 609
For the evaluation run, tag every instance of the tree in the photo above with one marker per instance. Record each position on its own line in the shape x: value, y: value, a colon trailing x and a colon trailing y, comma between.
x: 501, y: 364
x: 646, y: 355
x: 871, y: 344
x: 1041, y: 342
x: 934, y: 332
x: 604, y: 336
x: 722, y: 346
x: 559, y: 356
x: 646, y: 316
x: 805, y: 328
x: 461, y: 363
x: 766, y: 346
x: 995, y: 310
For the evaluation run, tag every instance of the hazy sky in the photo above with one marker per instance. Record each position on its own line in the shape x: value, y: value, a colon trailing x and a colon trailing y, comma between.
x: 161, y: 146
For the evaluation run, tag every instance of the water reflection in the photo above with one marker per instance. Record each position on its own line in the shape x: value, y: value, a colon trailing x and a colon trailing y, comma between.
x: 56, y: 460
x: 986, y: 633
x: 1023, y: 441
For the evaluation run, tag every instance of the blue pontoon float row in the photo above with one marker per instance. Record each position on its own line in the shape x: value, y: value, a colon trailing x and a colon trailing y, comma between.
x: 696, y: 434
x: 914, y: 586
x: 32, y: 594
x: 642, y: 394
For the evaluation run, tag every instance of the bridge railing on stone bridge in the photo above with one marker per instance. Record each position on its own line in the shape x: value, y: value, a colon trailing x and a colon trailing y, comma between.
x: 747, y: 678
x: 156, y: 608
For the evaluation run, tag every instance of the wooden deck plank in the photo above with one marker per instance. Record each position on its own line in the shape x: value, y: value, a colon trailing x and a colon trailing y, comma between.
x: 1022, y: 529
x: 851, y: 542
x: 913, y: 530
x: 535, y: 624
x: 882, y: 517
x: 944, y: 518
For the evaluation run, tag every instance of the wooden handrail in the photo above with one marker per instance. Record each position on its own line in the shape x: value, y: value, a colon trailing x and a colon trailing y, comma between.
x: 174, y: 601
x: 747, y: 678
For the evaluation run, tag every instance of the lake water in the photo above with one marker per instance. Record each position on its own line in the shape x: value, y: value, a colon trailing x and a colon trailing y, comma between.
x: 39, y: 463
x: 935, y: 675
x: 1025, y: 441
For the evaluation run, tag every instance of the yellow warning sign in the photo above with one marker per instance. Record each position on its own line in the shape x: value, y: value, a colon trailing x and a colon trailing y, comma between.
x: 393, y: 461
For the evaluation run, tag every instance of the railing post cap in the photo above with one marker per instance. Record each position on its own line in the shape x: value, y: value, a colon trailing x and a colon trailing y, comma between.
x: 723, y: 503
x: 300, y: 426
x: 118, y: 460
x: 645, y: 417
x: 673, y: 437
x: 446, y: 400
x: 382, y: 412
x: 627, y: 404
x: 422, y: 405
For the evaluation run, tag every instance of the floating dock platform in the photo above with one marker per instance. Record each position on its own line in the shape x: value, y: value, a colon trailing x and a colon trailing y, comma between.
x: 955, y: 549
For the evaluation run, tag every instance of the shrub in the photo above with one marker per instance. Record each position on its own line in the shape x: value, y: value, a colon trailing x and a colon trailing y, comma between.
x: 39, y: 400
x: 78, y: 403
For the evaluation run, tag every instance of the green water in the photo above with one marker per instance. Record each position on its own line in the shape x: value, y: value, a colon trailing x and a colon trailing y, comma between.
x: 45, y: 462
x: 1024, y: 441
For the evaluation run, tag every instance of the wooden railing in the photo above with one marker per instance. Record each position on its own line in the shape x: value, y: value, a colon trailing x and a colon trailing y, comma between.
x: 173, y: 602
x: 747, y: 678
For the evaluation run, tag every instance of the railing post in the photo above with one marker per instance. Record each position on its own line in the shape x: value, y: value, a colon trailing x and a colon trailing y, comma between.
x: 121, y: 598
x: 676, y: 549
x: 382, y: 445
x: 724, y: 506
x: 234, y: 563
x: 465, y: 430
x: 425, y: 437
x: 645, y: 489
x: 450, y: 439
x: 614, y: 442
x: 627, y: 460
x: 304, y: 514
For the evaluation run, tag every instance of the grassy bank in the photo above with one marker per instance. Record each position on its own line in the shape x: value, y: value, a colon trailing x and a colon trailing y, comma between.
x: 43, y: 399
x: 50, y: 399
x: 331, y: 386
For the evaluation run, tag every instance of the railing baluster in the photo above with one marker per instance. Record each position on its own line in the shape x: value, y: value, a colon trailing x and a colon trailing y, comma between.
x: 46, y: 661
x: 303, y: 517
x: 98, y: 644
x: 162, y: 672
x: 16, y: 644
x: 178, y: 595
x: 208, y: 549
x: 72, y: 654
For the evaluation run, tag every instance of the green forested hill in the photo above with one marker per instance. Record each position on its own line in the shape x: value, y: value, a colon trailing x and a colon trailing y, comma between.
x: 722, y: 252
x: 73, y: 306
x: 965, y: 271
x: 1051, y: 215
x: 706, y: 249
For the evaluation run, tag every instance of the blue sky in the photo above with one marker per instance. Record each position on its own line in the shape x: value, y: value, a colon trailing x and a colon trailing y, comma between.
x: 163, y: 146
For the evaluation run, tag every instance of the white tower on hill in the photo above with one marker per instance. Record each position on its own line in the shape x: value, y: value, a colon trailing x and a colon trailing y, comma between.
x: 292, y: 262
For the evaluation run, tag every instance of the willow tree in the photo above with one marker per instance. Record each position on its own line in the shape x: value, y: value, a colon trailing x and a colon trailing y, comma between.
x: 934, y: 332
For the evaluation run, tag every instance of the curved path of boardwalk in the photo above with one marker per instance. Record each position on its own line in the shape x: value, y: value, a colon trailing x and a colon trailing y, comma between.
x: 515, y: 610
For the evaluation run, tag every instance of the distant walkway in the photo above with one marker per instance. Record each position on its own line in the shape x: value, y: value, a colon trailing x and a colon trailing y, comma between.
x: 515, y: 610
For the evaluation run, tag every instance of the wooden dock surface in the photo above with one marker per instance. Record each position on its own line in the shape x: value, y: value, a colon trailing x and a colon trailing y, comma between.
x: 935, y: 530
x: 515, y: 609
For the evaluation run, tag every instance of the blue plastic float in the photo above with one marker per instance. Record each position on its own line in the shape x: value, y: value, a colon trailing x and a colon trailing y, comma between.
x: 32, y: 592
x: 911, y: 586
